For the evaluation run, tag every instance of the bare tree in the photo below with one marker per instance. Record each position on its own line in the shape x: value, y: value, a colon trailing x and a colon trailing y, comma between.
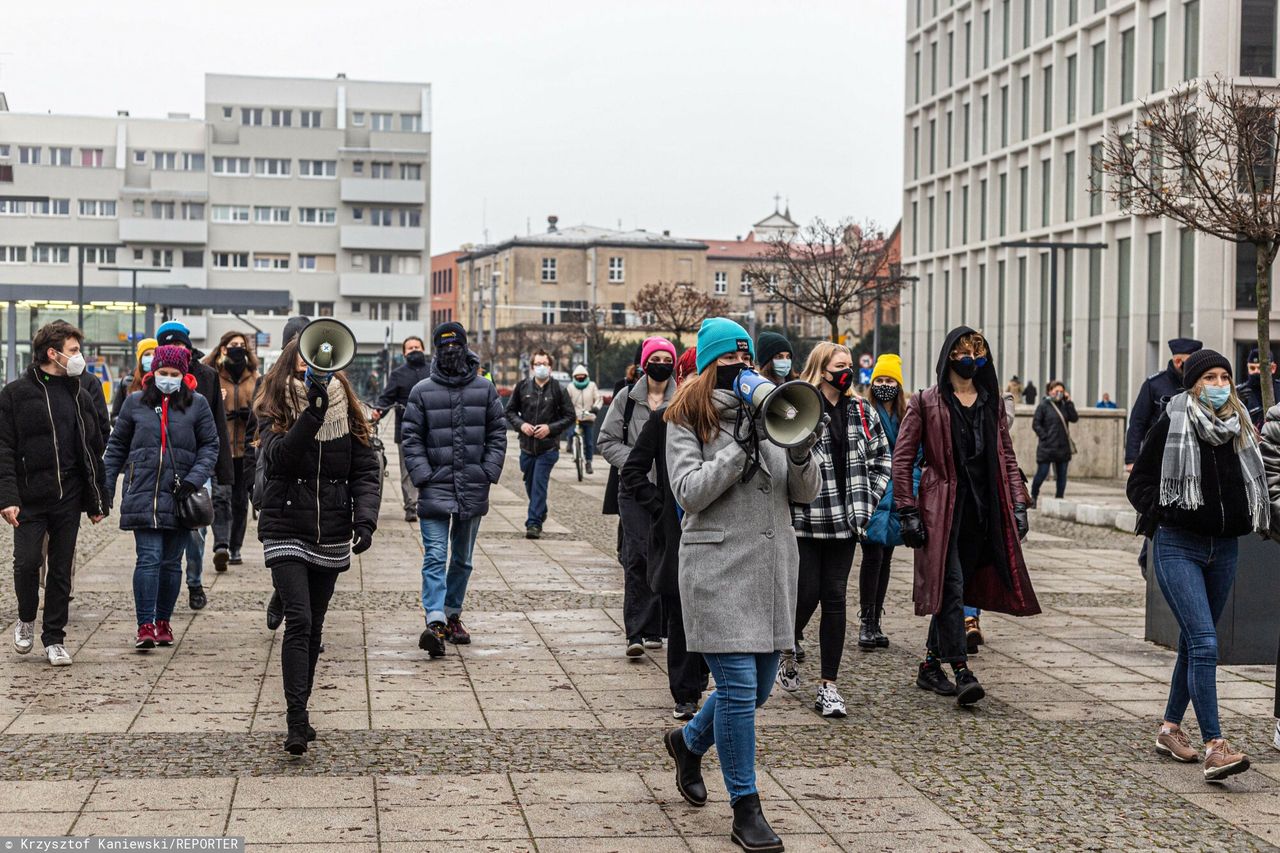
x: 826, y: 268
x: 677, y: 306
x: 1206, y: 158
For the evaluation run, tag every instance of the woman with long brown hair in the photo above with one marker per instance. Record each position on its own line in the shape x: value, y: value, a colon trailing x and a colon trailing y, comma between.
x: 319, y: 505
x: 131, y: 382
x: 237, y: 368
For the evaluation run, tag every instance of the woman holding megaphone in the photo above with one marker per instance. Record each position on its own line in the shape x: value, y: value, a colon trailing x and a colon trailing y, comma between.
x: 319, y: 504
x: 738, y: 565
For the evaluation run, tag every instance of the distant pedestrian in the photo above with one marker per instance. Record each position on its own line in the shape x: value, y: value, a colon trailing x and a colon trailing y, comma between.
x: 1054, y: 445
x: 586, y: 399
x: 776, y: 358
x: 50, y: 472
x: 1154, y: 395
x: 1029, y: 393
x: 1014, y: 387
x: 1106, y: 402
x: 1250, y: 390
x: 237, y: 368
x: 1199, y: 484
x: 540, y: 410
x: 395, y: 397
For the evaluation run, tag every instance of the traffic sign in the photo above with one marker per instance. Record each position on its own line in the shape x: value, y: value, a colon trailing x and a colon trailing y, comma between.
x: 864, y: 360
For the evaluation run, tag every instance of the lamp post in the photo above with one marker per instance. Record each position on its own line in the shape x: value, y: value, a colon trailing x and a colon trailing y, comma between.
x: 133, y: 312
x: 1054, y: 247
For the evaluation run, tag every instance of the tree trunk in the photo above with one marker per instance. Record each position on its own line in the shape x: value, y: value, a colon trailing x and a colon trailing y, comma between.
x: 1263, y: 290
x: 835, y: 327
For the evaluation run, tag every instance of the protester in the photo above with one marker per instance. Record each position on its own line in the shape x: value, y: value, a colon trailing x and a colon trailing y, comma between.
x: 774, y: 355
x: 396, y: 396
x: 628, y: 413
x: 454, y: 440
x: 237, y: 368
x: 1054, y: 445
x: 1154, y: 395
x: 1106, y: 402
x: 540, y: 410
x: 165, y: 442
x: 50, y: 472
x: 319, y: 505
x: 586, y: 399
x: 1198, y: 485
x: 853, y: 460
x: 738, y: 567
x: 686, y: 671
x: 1270, y: 447
x: 889, y: 400
x: 1250, y: 390
x: 130, y: 382
x: 1014, y: 387
x: 92, y: 383
x: 971, y: 511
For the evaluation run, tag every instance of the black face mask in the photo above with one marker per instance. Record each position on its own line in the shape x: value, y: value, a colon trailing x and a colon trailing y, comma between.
x: 885, y: 393
x: 659, y: 372
x: 1255, y: 381
x: 727, y: 375
x: 841, y: 380
x: 417, y: 358
x: 237, y: 355
x: 452, y: 360
x: 965, y: 369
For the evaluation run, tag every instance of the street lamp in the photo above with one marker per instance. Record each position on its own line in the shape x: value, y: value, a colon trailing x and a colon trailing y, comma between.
x: 133, y: 314
x: 1054, y: 247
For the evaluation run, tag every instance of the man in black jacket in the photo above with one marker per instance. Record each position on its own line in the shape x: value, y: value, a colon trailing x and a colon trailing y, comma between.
x: 174, y: 333
x: 396, y: 395
x: 1250, y: 390
x: 50, y: 471
x: 1154, y: 395
x: 540, y: 410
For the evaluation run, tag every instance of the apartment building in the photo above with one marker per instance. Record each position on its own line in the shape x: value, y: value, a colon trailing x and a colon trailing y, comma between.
x: 1007, y: 105
x: 318, y: 189
x: 444, y: 287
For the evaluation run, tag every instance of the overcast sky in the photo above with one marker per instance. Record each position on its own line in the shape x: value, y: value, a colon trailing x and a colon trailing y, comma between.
x: 664, y: 114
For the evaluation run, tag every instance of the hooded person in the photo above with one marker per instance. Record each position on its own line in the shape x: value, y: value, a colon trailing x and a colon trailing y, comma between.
x: 237, y: 367
x: 1250, y: 390
x: 1155, y: 394
x: 586, y: 399
x: 401, y: 382
x: 970, y: 515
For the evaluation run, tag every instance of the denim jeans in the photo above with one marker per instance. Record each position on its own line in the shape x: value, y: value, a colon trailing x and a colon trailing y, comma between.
x: 728, y: 718
x: 442, y: 593
x: 971, y: 612
x: 537, y: 474
x: 588, y: 429
x: 195, y: 550
x: 157, y: 575
x: 1195, y: 574
x: 1059, y: 478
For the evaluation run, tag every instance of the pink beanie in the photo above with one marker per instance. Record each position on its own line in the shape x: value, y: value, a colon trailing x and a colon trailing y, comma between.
x: 171, y: 356
x: 655, y: 344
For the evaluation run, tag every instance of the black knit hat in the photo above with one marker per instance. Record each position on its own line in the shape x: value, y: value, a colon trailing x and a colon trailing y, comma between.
x: 292, y: 328
x: 769, y: 344
x: 1199, y: 363
x: 448, y: 333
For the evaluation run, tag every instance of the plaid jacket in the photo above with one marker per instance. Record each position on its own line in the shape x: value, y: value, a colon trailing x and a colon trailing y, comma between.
x: 867, y: 470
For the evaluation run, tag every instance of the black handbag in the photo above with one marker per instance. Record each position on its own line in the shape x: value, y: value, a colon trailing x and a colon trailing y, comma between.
x: 196, y: 509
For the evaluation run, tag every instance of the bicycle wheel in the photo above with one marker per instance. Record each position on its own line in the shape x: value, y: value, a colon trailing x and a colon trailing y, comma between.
x: 579, y: 460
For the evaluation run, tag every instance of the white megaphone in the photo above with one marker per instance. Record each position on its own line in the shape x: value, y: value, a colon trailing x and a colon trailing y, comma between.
x: 327, y: 346
x: 791, y: 411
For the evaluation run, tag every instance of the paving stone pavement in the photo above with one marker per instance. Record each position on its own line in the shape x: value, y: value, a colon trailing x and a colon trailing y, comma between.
x: 541, y: 736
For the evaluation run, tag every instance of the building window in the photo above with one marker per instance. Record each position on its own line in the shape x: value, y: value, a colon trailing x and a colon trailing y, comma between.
x: 282, y: 118
x: 411, y: 123
x: 381, y: 216
x: 1099, y: 77
x: 410, y: 171
x: 163, y: 210
x: 548, y: 269
x: 1004, y: 116
x: 744, y: 285
x: 59, y: 156
x: 380, y: 121
x: 270, y: 262
x: 1126, y: 66
x: 13, y: 254
x: 306, y: 263
x: 231, y: 165
x: 309, y: 118
x: 193, y: 211
x: 51, y: 255
x: 1155, y: 256
x: 615, y: 270
x: 383, y: 171
x: 357, y: 119
x: 1246, y: 276
x: 1026, y: 107
x: 1072, y: 79
x: 548, y: 313
x: 1004, y: 203
x: 1069, y: 185
x: 317, y: 215
x: 139, y: 158
x: 29, y: 155
x: 193, y: 258
x: 1095, y: 179
x: 982, y: 209
x: 1191, y: 40
x: 251, y: 117
x: 164, y: 161
x: 1157, y: 52
x: 227, y: 112
x: 411, y: 218
x: 98, y: 208
x: 1258, y: 38
x: 1024, y: 198
x: 319, y: 309
x: 4, y: 151
x: 618, y: 313
x: 380, y: 263
x: 230, y: 213
x: 91, y: 158
x: 1046, y: 186
x: 318, y: 168
x: 51, y: 207
x: 264, y: 215
x: 357, y: 214
x: 139, y: 207
x: 409, y: 311
x: 231, y: 260
x: 192, y: 161
x: 162, y: 257
x: 271, y: 167
x: 721, y: 283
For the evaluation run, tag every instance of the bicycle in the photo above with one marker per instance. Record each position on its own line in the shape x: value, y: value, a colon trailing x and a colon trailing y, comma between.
x: 579, y: 451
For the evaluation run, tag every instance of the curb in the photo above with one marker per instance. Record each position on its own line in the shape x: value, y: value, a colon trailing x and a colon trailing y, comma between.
x: 1095, y: 515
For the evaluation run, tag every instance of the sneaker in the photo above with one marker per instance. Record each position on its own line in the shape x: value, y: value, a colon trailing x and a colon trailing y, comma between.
x: 972, y: 634
x: 788, y: 677
x: 829, y: 702
x: 410, y: 515
x: 234, y: 558
x: 432, y: 640
x: 164, y: 633
x: 196, y: 597
x: 931, y: 677
x: 275, y: 611
x: 146, y: 637
x: 685, y: 710
x: 456, y: 632
x: 968, y: 690
x: 1175, y: 744
x: 589, y: 471
x: 533, y: 531
x: 1220, y: 761
x: 220, y: 558
x: 58, y: 655
x: 24, y: 637
x: 653, y: 642
x: 635, y: 647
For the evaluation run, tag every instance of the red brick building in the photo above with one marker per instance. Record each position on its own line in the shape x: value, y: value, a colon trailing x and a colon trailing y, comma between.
x: 444, y: 289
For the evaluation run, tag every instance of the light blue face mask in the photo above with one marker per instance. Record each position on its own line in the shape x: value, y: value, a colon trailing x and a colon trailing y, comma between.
x: 1215, y: 396
x: 146, y: 363
x: 168, y: 384
x: 781, y: 367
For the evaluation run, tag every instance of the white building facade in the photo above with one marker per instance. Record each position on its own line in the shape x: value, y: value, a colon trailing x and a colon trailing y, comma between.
x: 1008, y: 103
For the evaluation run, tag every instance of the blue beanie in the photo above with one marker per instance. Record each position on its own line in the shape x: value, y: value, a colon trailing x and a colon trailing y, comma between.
x: 172, y: 326
x: 719, y: 336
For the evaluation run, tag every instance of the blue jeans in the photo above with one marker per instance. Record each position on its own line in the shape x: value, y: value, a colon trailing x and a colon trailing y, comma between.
x: 194, y: 550
x: 537, y: 473
x: 728, y: 718
x: 442, y: 593
x: 1195, y: 574
x: 157, y: 575
x: 971, y: 612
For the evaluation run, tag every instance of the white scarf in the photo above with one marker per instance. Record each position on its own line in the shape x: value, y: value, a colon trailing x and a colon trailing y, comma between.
x: 336, y: 423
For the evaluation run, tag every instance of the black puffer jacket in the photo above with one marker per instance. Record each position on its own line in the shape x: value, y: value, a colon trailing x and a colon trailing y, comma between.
x: 31, y: 460
x: 400, y: 384
x: 210, y: 387
x: 540, y: 404
x: 1055, y: 440
x: 317, y: 491
x: 454, y: 441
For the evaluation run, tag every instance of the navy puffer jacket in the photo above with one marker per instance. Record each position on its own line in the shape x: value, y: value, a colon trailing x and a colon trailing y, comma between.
x: 454, y: 441
x: 134, y: 450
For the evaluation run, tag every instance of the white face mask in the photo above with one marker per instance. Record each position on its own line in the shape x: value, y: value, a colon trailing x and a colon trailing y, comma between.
x: 541, y: 371
x: 168, y: 384
x: 74, y: 364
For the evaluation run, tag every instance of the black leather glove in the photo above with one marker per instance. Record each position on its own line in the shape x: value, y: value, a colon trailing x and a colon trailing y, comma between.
x: 913, y: 535
x: 800, y: 452
x: 317, y: 397
x: 1020, y: 519
x: 184, y: 490
x: 363, y: 539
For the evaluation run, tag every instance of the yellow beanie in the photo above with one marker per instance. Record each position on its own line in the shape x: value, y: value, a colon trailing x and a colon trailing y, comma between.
x: 889, y: 365
x: 144, y: 345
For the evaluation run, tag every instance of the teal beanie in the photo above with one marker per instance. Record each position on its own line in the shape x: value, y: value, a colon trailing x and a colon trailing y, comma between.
x: 719, y: 336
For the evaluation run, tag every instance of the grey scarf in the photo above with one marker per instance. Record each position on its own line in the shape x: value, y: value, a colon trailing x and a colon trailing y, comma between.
x: 1189, y: 423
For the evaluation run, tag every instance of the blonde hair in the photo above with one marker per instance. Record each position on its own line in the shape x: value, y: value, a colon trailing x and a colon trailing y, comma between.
x: 816, y: 363
x: 1233, y: 406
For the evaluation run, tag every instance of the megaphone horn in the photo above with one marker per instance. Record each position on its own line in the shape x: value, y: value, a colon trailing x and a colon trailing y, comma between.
x: 327, y: 345
x: 791, y: 413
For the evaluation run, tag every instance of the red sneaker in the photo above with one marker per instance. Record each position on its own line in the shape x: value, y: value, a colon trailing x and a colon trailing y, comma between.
x: 164, y: 634
x: 146, y: 637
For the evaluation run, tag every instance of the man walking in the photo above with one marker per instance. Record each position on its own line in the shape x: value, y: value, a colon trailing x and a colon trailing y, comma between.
x: 50, y: 471
x: 540, y: 410
x: 454, y: 442
x: 396, y: 395
x: 1250, y: 390
x: 1154, y: 396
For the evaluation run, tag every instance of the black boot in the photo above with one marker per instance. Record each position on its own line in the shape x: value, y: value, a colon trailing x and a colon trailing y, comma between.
x: 295, y: 743
x: 866, y: 633
x: 688, y: 769
x: 882, y: 642
x: 751, y: 831
x: 969, y: 691
x: 931, y: 677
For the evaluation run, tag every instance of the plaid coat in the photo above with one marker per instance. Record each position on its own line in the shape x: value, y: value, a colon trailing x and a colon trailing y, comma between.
x: 867, y: 468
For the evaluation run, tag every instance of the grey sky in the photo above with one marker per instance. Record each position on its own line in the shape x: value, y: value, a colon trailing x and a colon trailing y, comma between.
x: 680, y: 115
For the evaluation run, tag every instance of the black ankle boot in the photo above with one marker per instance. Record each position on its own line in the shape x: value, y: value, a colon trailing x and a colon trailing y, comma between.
x: 882, y: 642
x: 751, y: 831
x: 866, y: 631
x: 688, y: 769
x: 295, y: 743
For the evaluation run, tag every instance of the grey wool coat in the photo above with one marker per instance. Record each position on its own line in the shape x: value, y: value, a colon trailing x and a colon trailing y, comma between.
x: 738, y: 557
x: 611, y: 443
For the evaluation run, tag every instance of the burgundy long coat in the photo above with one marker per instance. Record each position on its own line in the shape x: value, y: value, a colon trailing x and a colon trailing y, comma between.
x: 928, y: 423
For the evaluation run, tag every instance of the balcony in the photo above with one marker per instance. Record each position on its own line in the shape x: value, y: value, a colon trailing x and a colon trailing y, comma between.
x: 379, y: 238
x: 386, y: 191
x: 375, y: 331
x: 140, y: 230
x: 379, y: 286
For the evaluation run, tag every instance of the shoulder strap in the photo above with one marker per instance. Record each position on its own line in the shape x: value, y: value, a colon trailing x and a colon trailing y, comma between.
x: 1058, y: 412
x: 626, y: 418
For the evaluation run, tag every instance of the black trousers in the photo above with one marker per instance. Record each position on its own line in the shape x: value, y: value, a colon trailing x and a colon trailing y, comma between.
x: 61, y: 522
x: 305, y: 591
x: 641, y: 606
x: 873, y: 576
x: 686, y: 671
x: 946, y: 629
x: 824, y: 578
x: 1059, y: 478
x: 231, y: 506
